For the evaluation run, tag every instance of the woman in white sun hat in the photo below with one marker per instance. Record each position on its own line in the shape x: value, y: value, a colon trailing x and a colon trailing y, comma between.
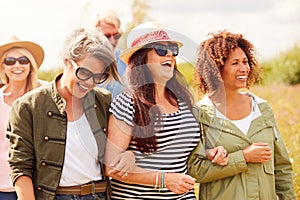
x: 153, y: 121
x: 20, y: 61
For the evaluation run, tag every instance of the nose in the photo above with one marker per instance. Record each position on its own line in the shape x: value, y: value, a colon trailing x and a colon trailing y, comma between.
x: 244, y: 67
x: 90, y: 82
x: 169, y: 53
x: 113, y: 41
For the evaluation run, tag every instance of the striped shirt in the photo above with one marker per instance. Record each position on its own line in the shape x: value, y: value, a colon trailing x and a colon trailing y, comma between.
x: 176, y: 138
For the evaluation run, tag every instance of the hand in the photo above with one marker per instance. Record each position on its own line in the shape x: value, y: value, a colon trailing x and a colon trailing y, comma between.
x: 218, y: 155
x: 257, y: 153
x: 122, y: 164
x: 179, y: 183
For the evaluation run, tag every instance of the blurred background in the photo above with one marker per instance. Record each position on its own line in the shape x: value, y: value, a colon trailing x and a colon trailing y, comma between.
x: 273, y: 26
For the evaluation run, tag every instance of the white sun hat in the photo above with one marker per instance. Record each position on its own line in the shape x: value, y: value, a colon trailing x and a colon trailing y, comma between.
x: 143, y: 34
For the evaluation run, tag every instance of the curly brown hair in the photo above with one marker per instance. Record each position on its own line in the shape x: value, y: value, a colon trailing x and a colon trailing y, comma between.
x: 212, y: 55
x: 142, y: 90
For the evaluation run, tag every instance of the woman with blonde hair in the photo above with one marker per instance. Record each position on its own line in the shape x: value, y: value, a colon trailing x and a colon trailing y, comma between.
x: 57, y: 132
x: 20, y: 61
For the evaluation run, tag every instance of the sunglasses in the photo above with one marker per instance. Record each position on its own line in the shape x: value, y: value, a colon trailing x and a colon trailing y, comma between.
x: 85, y: 74
x: 116, y: 36
x: 162, y: 49
x: 11, y: 60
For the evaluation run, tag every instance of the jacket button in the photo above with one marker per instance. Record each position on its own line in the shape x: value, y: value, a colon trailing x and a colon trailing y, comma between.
x: 49, y: 113
x: 104, y: 129
x: 44, y: 164
x: 46, y: 138
x: 95, y: 106
x: 39, y: 188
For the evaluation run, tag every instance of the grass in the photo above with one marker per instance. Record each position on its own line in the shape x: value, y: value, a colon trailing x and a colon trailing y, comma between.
x: 285, y: 103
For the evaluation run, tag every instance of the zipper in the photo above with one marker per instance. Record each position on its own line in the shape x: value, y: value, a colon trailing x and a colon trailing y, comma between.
x: 275, y: 134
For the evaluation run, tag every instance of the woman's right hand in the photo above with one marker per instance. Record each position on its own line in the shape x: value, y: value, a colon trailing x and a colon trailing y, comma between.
x: 122, y: 164
x: 257, y: 153
x: 179, y: 183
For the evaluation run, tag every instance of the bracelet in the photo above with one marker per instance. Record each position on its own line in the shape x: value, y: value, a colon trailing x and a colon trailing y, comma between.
x: 162, y: 181
x: 156, y: 181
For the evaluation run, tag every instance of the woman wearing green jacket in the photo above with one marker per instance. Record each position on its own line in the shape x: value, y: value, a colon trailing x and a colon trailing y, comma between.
x: 57, y: 132
x: 258, y: 163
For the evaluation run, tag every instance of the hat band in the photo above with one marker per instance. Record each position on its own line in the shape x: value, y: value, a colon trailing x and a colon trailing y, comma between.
x: 150, y: 37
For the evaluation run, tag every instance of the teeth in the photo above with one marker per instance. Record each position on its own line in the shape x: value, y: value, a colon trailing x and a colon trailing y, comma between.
x: 242, y: 77
x: 166, y: 62
x: 83, y: 87
x: 17, y: 71
x: 169, y: 63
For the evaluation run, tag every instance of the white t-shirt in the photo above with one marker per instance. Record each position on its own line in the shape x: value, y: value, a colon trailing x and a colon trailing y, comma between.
x: 81, y: 164
x: 244, y: 124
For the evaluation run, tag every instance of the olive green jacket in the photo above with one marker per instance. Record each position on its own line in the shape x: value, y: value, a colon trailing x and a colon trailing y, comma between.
x: 37, y: 132
x: 240, y: 180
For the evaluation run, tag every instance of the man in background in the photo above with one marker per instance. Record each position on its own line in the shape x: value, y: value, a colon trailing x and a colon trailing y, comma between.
x: 109, y: 23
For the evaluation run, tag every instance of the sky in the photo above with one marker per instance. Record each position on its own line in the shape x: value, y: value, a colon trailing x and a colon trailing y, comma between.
x: 273, y: 26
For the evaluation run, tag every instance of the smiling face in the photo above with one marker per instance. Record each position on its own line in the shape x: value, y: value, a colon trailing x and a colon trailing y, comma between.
x: 236, y: 70
x: 16, y: 72
x: 109, y: 30
x: 79, y: 88
x: 161, y: 67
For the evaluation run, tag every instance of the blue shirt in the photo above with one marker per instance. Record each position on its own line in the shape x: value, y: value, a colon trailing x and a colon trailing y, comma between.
x: 115, y: 87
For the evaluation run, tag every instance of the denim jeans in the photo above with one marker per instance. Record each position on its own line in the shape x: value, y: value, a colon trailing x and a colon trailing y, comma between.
x: 8, y: 196
x: 97, y: 196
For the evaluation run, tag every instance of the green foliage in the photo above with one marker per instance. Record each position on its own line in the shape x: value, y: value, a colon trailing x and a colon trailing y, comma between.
x: 187, y: 69
x: 283, y: 69
x: 49, y: 75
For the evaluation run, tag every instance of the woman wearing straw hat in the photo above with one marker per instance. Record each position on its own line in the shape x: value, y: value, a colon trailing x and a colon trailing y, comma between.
x: 20, y: 61
x: 57, y: 132
x: 153, y: 121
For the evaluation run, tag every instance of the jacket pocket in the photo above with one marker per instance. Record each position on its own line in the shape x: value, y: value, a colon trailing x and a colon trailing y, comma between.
x: 269, y: 167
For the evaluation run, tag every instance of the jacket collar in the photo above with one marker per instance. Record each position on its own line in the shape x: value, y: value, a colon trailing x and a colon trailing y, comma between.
x: 206, y: 113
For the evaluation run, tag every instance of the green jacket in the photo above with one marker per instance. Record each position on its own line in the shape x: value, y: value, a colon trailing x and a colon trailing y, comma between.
x: 37, y: 133
x: 240, y: 180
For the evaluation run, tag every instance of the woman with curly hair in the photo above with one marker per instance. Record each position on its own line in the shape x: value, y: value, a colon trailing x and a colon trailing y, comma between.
x: 258, y: 163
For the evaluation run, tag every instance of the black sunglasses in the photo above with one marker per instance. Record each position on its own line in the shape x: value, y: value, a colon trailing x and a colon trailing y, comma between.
x: 23, y: 60
x: 162, y: 49
x: 85, y: 74
x: 116, y: 36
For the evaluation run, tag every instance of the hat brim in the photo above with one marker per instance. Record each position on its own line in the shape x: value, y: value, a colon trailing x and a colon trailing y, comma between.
x: 126, y: 54
x: 35, y: 49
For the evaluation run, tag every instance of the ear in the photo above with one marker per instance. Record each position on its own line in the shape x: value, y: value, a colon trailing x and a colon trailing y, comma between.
x: 67, y: 63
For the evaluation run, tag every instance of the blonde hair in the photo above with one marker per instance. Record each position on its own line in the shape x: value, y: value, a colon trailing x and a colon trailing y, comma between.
x: 109, y: 16
x: 32, y: 78
x: 84, y: 42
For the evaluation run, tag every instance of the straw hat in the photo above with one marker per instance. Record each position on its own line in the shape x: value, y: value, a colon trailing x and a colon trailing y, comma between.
x: 146, y: 33
x: 35, y: 49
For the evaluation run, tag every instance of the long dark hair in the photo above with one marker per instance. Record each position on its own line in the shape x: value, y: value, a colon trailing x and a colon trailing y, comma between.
x: 142, y: 90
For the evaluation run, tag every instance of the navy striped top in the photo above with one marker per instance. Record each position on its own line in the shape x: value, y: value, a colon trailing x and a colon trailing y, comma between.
x: 176, y: 138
